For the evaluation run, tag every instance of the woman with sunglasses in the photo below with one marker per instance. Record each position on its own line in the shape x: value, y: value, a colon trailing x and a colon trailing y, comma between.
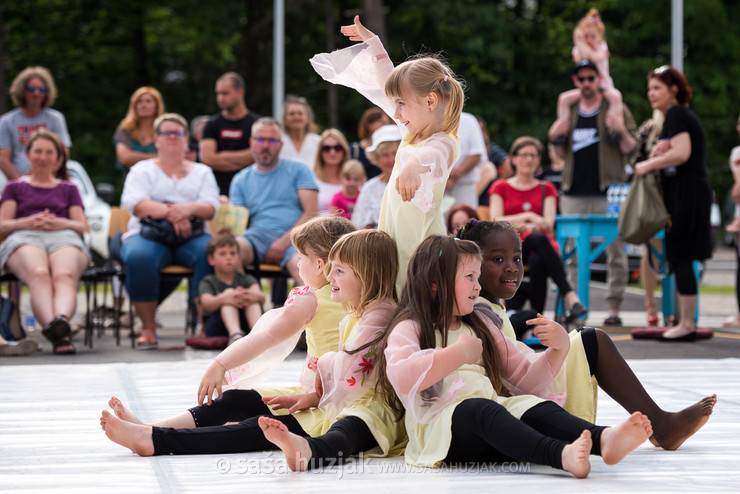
x: 33, y: 93
x: 170, y: 188
x: 530, y: 206
x: 327, y: 167
x: 680, y: 159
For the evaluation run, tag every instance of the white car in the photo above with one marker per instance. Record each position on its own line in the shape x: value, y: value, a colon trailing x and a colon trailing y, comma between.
x: 96, y: 209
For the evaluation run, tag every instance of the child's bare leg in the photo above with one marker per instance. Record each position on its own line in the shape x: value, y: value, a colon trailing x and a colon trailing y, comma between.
x: 617, y: 442
x: 230, y: 318
x: 614, y: 97
x: 296, y: 448
x: 253, y: 312
x: 565, y: 101
x: 575, y: 456
x: 181, y: 421
x: 136, y: 437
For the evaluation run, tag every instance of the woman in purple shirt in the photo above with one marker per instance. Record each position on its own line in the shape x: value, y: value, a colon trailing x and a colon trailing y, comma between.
x: 42, y: 220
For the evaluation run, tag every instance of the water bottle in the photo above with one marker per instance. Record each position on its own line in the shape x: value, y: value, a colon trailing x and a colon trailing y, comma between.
x: 611, y: 200
x: 29, y: 320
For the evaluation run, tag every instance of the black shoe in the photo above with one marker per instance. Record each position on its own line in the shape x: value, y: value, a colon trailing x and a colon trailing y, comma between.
x: 577, y: 311
x: 691, y: 337
x: 613, y: 320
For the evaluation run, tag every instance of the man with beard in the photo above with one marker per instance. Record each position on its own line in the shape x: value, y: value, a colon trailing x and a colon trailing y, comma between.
x: 225, y: 143
x: 279, y: 193
x: 595, y: 146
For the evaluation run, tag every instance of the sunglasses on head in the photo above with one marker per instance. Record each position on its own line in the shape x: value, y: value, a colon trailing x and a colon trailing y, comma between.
x: 336, y: 147
x: 589, y: 78
x: 33, y: 89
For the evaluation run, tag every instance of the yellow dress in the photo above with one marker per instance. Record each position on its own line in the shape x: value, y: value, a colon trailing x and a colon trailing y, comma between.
x: 322, y: 336
x: 583, y: 390
x: 349, y: 381
x: 429, y: 443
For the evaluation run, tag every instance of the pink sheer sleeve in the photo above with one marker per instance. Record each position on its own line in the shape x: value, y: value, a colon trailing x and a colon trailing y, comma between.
x: 269, y: 342
x: 525, y: 371
x: 363, y: 67
x: 346, y: 378
x: 437, y: 153
x: 408, y: 365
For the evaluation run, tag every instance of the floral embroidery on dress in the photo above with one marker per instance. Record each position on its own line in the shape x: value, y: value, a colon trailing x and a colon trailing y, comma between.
x: 296, y: 292
x: 311, y: 362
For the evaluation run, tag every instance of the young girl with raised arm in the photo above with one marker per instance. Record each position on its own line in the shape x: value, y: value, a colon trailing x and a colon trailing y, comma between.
x: 589, y: 44
x: 363, y: 273
x: 464, y: 385
x: 247, y: 362
x: 593, y: 359
x: 425, y: 99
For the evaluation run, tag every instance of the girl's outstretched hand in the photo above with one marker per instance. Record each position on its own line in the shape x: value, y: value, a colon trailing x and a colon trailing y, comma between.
x: 294, y: 403
x: 212, y: 381
x: 471, y: 347
x: 356, y: 31
x: 550, y: 333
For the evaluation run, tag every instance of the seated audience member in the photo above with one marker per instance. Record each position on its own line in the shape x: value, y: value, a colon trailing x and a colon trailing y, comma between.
x: 353, y: 177
x: 182, y: 193
x: 42, y: 218
x: 300, y: 140
x: 371, y: 120
x: 231, y: 300
x: 280, y: 195
x: 197, y: 125
x: 327, y: 167
x: 458, y: 216
x: 382, y: 154
x: 134, y: 137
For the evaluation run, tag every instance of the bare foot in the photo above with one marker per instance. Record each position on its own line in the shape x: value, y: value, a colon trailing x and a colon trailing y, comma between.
x: 575, y: 456
x: 680, y: 426
x: 617, y: 442
x: 122, y: 412
x: 296, y: 449
x: 136, y: 437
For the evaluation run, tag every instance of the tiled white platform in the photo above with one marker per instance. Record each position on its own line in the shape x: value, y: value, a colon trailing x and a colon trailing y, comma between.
x: 50, y: 439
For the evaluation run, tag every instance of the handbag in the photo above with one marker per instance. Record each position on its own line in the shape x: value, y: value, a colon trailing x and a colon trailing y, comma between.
x: 643, y: 213
x: 162, y: 231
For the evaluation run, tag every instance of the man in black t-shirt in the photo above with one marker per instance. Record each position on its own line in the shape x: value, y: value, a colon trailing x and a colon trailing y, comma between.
x: 225, y: 143
x: 597, y: 148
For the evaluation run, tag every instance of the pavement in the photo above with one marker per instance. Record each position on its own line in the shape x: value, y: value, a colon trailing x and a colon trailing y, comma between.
x: 713, y: 309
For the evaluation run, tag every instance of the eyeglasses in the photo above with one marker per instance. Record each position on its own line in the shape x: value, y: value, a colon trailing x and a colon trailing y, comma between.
x: 532, y: 156
x: 336, y: 147
x: 264, y: 140
x: 33, y: 89
x: 589, y: 78
x: 172, y: 133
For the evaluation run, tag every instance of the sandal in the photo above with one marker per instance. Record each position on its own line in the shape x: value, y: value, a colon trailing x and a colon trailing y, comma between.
x: 147, y: 340
x: 59, y: 332
x: 236, y: 337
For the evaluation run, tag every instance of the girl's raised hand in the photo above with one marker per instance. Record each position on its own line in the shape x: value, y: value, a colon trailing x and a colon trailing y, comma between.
x: 471, y: 347
x: 356, y: 31
x: 550, y: 333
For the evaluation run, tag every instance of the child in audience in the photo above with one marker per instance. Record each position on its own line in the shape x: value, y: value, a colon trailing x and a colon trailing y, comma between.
x: 231, y: 300
x: 343, y: 202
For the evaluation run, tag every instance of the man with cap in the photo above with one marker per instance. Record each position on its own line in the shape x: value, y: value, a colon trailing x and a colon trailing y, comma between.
x: 597, y: 145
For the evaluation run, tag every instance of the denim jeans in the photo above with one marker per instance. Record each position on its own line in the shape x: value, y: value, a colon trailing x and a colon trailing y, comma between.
x: 144, y: 258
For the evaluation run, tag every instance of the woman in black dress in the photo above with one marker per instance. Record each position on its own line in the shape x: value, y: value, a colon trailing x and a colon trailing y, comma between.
x: 680, y: 156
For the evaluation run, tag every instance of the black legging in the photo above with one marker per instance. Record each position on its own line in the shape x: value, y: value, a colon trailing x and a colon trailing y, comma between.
x: 543, y: 262
x: 212, y: 437
x: 685, y: 278
x: 484, y: 431
x: 348, y: 436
